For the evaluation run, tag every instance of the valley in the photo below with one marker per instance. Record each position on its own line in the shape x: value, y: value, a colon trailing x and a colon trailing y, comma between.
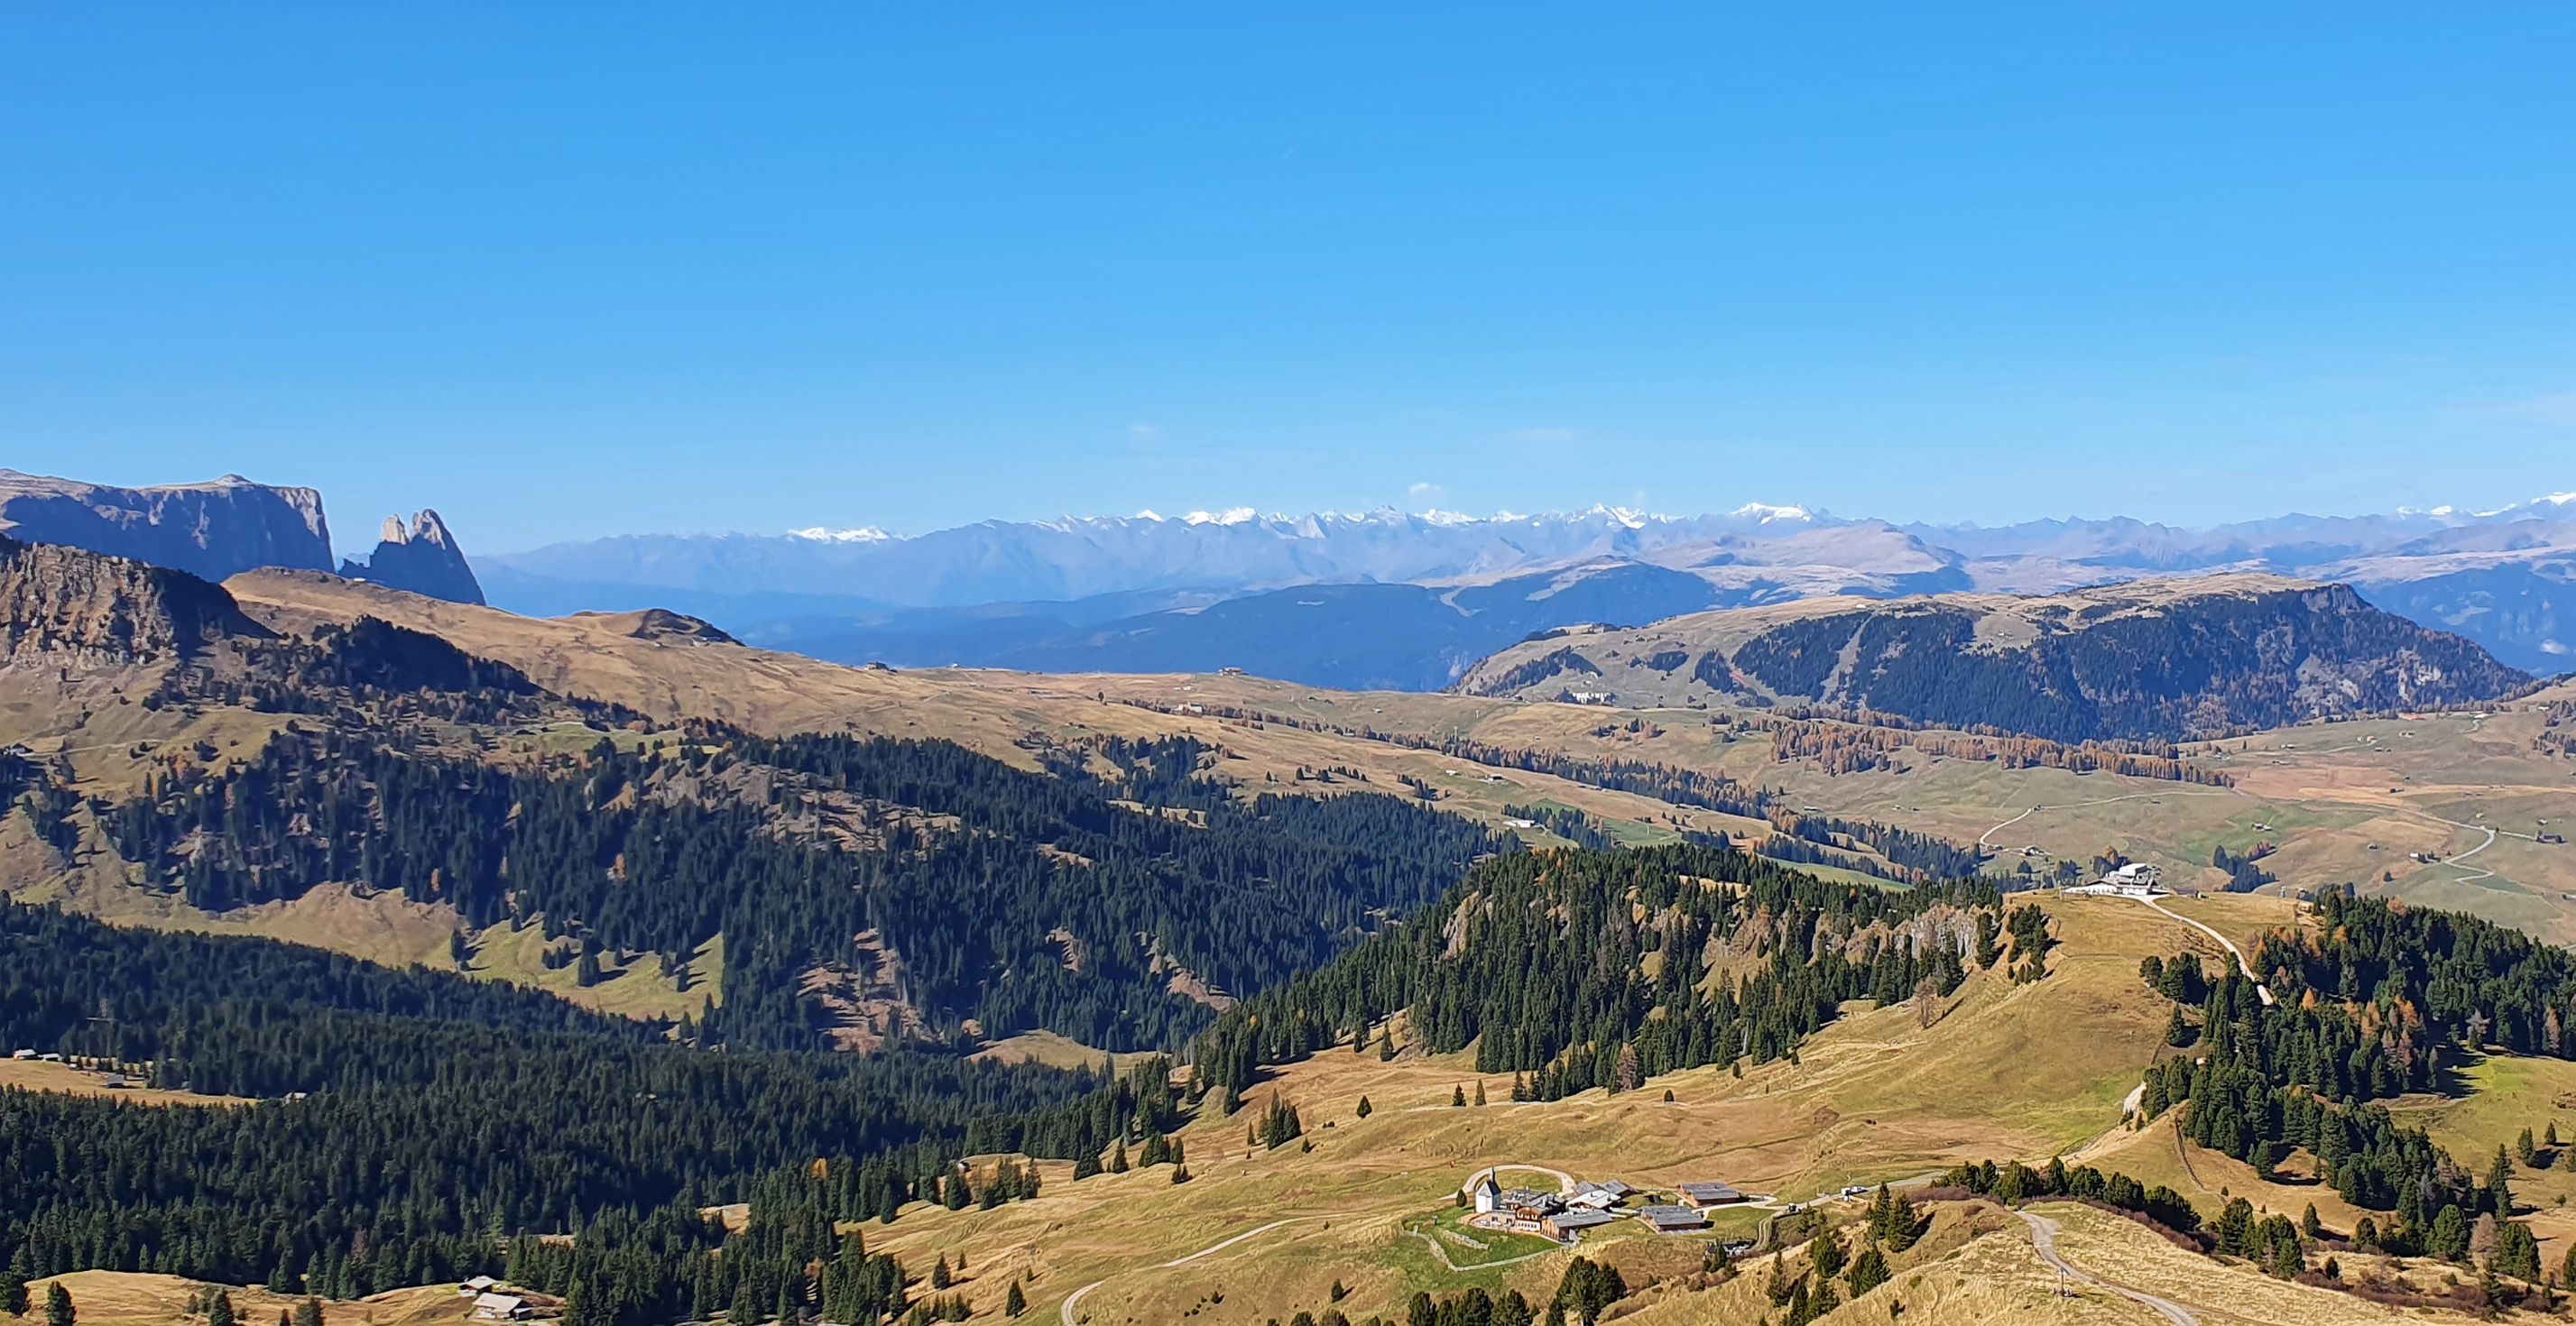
x: 712, y: 843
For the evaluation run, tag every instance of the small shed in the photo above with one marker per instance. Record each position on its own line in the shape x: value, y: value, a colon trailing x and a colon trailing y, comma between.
x: 1564, y: 1225
x: 481, y: 1284
x: 1672, y: 1219
x: 501, y: 1307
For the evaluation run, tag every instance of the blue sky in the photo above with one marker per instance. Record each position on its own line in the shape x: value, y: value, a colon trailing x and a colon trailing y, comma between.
x: 569, y: 270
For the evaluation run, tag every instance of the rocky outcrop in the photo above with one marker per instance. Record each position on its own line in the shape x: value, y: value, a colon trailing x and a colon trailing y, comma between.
x: 2147, y: 660
x: 210, y: 530
x: 74, y: 608
x: 422, y: 558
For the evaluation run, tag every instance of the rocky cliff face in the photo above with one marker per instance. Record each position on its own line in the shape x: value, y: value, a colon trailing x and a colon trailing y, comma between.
x: 2148, y: 660
x: 421, y: 557
x: 78, y: 609
x: 210, y: 530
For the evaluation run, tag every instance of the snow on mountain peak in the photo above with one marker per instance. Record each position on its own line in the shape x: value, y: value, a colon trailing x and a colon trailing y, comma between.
x: 1766, y: 513
x: 820, y: 534
x: 1230, y: 516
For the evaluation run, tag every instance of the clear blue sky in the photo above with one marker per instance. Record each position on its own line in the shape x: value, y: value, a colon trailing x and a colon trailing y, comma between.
x: 565, y: 270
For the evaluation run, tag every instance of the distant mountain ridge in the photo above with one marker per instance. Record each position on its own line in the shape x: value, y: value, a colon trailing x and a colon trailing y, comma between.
x: 227, y: 526
x: 1136, y: 593
x: 2160, y: 660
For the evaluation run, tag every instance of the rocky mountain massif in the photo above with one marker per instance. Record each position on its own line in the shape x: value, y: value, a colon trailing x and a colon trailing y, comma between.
x: 421, y: 557
x: 1127, y: 593
x: 231, y: 525
x: 210, y: 530
x: 2149, y: 660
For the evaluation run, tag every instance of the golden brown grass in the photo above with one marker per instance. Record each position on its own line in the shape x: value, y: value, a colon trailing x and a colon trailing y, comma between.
x: 40, y: 1076
x: 121, y: 1298
x: 1874, y: 1096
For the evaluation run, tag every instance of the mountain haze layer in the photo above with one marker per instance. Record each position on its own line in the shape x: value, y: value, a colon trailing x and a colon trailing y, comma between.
x: 1432, y: 591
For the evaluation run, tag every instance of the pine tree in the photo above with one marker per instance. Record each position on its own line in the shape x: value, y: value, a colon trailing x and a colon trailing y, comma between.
x: 13, y: 1293
x: 1868, y: 1271
x: 219, y: 1309
x: 1457, y: 1098
x: 1014, y: 1303
x: 1827, y: 1254
x: 58, y: 1306
x: 1480, y: 1091
x: 1118, y: 1158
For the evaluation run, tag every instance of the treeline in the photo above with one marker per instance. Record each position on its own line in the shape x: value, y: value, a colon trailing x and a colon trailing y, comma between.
x: 1568, y: 823
x: 1668, y: 783
x: 1871, y: 740
x: 658, y: 852
x: 1918, y: 855
x: 444, y: 1128
x: 2243, y: 875
x: 1921, y: 855
x: 384, y: 672
x: 1543, y: 963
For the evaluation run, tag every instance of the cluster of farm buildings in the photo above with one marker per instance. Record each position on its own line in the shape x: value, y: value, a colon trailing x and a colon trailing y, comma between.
x: 1563, y: 1216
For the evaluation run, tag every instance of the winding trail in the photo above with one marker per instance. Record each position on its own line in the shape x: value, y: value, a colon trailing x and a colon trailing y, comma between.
x: 2261, y: 991
x: 2101, y: 801
x: 1214, y: 1248
x: 1073, y: 1301
x: 2043, y: 1238
x: 2470, y: 874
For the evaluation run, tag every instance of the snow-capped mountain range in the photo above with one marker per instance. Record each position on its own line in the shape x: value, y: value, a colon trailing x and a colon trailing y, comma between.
x: 1433, y: 590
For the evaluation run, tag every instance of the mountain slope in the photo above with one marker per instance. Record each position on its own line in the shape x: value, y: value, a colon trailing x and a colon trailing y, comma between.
x: 2156, y: 660
x: 72, y: 608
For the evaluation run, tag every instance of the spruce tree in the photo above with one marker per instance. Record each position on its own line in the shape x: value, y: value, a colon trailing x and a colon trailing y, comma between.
x: 58, y: 1306
x: 1014, y: 1303
x: 1868, y: 1271
x: 219, y: 1309
x: 13, y: 1293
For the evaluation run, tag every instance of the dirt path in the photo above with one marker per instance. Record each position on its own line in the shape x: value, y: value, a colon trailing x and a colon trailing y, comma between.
x: 1073, y: 1301
x: 1214, y: 1248
x: 2043, y: 1237
x: 2261, y: 990
x: 2103, y: 801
